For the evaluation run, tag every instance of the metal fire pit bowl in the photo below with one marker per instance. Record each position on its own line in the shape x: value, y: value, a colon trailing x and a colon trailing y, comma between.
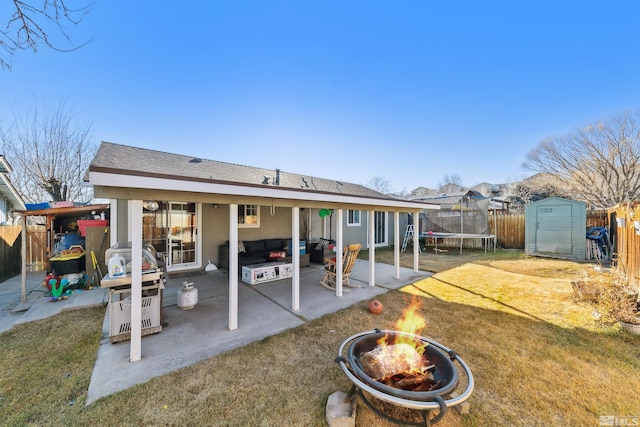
x: 425, y: 401
x: 444, y: 372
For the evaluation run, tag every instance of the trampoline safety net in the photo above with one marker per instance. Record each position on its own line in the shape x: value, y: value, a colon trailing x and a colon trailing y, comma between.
x: 466, y: 215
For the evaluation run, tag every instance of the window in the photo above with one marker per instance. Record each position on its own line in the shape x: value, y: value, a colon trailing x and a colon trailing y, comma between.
x: 353, y: 218
x: 248, y: 216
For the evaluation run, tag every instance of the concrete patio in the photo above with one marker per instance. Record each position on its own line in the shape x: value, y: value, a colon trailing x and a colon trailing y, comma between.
x: 190, y: 336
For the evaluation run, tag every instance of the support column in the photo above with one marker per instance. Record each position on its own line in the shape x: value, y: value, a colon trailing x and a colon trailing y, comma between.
x: 339, y: 253
x: 136, y: 279
x: 416, y: 240
x: 23, y: 255
x: 129, y: 220
x: 396, y: 243
x: 233, y: 267
x: 113, y: 223
x: 295, y: 257
x: 372, y: 247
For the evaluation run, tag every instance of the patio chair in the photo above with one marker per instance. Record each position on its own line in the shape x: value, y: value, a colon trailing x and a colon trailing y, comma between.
x: 348, y: 260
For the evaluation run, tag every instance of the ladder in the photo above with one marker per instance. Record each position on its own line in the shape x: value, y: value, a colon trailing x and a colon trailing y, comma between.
x: 408, y: 236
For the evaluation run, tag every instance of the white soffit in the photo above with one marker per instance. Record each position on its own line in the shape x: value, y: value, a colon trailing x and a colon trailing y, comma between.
x: 130, y: 181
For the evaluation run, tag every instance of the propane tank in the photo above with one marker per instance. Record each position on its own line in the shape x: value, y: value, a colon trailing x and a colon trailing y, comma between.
x: 187, y: 296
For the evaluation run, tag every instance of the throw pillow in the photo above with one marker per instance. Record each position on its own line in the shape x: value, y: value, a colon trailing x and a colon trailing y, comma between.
x: 241, y: 246
x: 277, y: 254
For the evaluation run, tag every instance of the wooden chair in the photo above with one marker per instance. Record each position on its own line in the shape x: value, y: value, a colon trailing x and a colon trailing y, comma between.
x: 348, y: 260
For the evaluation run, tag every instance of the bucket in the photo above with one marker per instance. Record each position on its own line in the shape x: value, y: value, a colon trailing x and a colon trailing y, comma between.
x: 117, y: 265
x: 187, y: 296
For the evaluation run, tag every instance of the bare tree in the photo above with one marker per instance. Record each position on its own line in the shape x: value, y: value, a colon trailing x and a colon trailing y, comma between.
x: 50, y: 153
x: 599, y: 164
x: 450, y: 184
x: 380, y: 184
x: 530, y: 190
x: 32, y: 26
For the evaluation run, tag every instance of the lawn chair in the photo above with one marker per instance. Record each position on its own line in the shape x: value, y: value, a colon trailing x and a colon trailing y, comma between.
x: 348, y: 260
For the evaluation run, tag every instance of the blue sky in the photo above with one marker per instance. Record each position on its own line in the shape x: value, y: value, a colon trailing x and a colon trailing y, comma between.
x: 348, y: 90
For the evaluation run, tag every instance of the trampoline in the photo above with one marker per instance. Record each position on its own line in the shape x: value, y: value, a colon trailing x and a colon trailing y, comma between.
x: 486, y: 238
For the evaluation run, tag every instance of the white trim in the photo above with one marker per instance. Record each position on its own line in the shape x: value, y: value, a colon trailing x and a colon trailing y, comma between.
x: 132, y: 181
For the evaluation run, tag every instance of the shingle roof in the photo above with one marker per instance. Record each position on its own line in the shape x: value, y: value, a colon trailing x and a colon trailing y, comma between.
x: 122, y: 159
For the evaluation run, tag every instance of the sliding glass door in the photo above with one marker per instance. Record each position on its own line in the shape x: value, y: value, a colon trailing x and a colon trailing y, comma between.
x: 172, y: 229
x: 380, y: 228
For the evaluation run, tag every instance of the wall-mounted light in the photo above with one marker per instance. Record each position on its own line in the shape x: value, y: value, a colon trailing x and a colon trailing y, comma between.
x: 151, y: 205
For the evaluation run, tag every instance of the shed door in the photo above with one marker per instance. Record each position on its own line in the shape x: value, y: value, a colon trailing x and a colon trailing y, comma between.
x: 553, y: 229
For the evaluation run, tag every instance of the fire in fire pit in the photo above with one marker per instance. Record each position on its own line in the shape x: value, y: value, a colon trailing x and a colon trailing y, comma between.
x: 432, y: 374
x: 404, y: 368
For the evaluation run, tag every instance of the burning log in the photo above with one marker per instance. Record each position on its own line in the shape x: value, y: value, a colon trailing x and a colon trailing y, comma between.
x: 385, y: 361
x: 414, y: 380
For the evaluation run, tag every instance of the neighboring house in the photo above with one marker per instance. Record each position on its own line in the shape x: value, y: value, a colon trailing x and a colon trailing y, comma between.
x: 419, y: 192
x: 187, y: 207
x: 10, y: 200
x: 491, y: 190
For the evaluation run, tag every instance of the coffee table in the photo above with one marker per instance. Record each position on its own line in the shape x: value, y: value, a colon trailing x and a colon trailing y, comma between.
x: 266, y: 272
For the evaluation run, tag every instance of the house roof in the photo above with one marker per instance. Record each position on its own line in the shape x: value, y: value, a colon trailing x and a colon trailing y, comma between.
x: 124, y: 166
x: 7, y: 190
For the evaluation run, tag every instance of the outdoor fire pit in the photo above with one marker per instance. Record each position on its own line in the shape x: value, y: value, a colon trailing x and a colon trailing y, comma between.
x: 423, y: 380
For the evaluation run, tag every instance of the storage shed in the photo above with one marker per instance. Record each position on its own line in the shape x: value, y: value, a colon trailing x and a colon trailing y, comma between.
x: 556, y: 227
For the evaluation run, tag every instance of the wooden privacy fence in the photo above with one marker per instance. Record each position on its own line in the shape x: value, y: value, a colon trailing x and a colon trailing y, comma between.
x: 37, y: 259
x: 11, y: 246
x: 508, y: 229
x: 625, y: 220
